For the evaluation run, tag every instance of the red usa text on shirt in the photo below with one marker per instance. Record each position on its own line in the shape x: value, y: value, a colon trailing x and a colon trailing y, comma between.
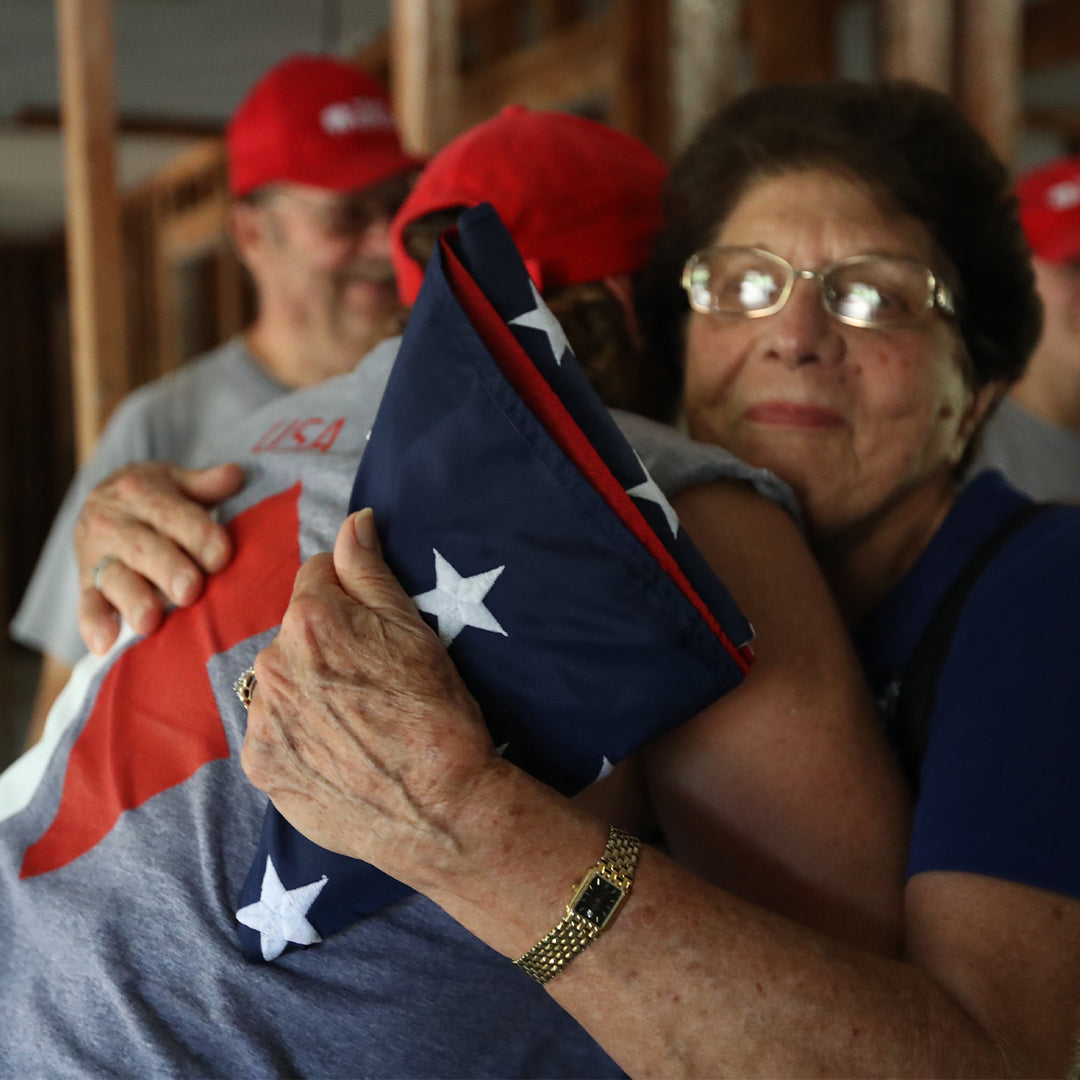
x: 311, y: 433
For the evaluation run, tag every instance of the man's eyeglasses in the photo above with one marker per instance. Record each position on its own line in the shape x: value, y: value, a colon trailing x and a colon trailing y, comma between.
x: 877, y: 291
x: 351, y: 214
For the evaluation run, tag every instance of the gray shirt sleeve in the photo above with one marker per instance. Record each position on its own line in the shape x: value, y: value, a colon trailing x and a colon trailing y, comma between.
x: 676, y: 462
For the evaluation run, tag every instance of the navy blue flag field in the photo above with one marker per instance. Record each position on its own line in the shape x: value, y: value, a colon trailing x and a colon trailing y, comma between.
x: 528, y: 532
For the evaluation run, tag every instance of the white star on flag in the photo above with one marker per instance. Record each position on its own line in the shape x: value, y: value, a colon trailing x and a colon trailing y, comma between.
x: 456, y: 601
x: 648, y: 491
x: 280, y: 914
x: 540, y: 318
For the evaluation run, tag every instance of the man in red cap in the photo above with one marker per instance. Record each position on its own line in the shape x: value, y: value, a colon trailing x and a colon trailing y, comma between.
x: 316, y: 171
x: 1034, y: 437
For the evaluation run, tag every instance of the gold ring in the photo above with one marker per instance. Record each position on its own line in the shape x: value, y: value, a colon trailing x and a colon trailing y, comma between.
x: 245, y: 687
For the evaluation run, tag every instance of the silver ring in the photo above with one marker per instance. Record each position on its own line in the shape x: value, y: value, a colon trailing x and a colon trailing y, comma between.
x: 245, y: 687
x: 100, y: 567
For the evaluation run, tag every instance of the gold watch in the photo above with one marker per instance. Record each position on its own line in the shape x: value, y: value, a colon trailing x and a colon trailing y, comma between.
x: 597, y: 899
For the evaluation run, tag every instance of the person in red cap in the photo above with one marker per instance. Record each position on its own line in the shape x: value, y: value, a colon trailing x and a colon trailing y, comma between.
x: 588, y: 282
x: 1034, y: 437
x: 316, y: 171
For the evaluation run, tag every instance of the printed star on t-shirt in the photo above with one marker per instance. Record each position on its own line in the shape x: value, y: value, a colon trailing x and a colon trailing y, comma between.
x: 457, y: 602
x: 648, y: 491
x: 280, y: 914
x: 540, y: 318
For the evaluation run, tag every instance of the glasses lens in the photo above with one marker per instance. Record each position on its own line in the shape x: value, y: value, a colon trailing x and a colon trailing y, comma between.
x: 737, y: 281
x: 878, y: 291
x: 348, y: 217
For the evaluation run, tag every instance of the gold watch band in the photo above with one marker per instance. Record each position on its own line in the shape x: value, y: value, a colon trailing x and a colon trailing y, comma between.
x: 597, y: 899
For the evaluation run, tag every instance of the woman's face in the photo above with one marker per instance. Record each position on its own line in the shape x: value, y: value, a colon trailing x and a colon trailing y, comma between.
x: 854, y: 419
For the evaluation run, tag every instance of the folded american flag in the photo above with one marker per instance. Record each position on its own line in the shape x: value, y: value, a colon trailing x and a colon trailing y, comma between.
x: 524, y: 526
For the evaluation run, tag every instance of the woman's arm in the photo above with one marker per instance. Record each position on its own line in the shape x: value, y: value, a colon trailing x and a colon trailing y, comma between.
x: 365, y: 738
x: 784, y: 792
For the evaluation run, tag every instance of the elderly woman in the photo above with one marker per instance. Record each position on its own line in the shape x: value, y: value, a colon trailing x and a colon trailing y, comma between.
x: 860, y: 298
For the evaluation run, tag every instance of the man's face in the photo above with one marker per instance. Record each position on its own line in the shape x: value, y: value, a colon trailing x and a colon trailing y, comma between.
x: 1059, y: 287
x: 322, y: 267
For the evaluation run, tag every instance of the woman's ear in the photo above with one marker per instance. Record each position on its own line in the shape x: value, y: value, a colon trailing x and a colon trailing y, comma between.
x: 621, y: 287
x: 983, y: 401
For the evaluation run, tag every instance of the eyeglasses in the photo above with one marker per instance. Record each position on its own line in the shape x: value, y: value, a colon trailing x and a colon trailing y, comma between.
x: 876, y: 291
x: 345, y: 215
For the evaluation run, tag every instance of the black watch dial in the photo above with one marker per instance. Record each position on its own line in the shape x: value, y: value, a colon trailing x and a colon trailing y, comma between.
x: 598, y: 901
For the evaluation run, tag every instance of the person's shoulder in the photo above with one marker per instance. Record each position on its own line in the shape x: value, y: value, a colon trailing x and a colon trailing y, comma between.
x: 316, y: 416
x: 174, y: 385
x: 1045, y: 534
x: 1028, y: 596
x: 676, y: 462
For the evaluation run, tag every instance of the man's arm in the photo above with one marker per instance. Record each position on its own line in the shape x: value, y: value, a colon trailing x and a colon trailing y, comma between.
x: 379, y: 752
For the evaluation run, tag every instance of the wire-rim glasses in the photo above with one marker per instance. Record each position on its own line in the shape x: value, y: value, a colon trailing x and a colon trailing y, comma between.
x: 874, y: 291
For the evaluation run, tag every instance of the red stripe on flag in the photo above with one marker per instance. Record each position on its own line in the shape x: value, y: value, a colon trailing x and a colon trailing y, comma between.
x: 548, y: 408
x: 155, y: 721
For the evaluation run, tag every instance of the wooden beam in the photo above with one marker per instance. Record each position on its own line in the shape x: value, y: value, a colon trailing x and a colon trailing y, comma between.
x: 793, y: 40
x: 126, y: 124
x: 917, y: 41
x: 1061, y: 120
x: 558, y: 14
x: 495, y: 35
x: 1051, y: 34
x: 641, y: 95
x: 424, y: 77
x: 706, y: 40
x: 375, y: 56
x: 95, y: 267
x: 573, y: 65
x: 205, y: 157
x: 988, y: 69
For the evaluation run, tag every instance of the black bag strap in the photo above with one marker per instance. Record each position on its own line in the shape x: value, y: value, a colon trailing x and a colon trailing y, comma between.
x: 908, y: 730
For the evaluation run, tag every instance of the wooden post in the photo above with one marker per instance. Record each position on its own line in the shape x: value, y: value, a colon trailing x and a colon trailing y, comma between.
x: 793, y: 40
x: 424, y: 79
x: 917, y: 41
x: 638, y: 32
x: 1051, y: 35
x: 705, y: 43
x: 95, y: 278
x: 988, y: 69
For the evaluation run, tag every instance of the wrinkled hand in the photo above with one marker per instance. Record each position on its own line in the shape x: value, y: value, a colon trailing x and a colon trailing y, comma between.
x: 361, y: 730
x: 152, y: 519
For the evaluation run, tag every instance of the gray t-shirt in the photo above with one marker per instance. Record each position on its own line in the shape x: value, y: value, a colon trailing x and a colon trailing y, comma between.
x: 127, y: 831
x: 176, y: 418
x: 1040, y: 458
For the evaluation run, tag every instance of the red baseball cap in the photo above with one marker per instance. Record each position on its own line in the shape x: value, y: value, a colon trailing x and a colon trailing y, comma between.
x: 1050, y: 209
x: 580, y: 199
x: 318, y: 121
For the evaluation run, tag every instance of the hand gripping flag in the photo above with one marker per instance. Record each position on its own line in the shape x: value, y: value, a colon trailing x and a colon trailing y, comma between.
x: 526, y: 529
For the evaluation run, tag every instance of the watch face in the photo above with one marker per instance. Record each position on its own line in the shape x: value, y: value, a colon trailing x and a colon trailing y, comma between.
x: 598, y: 900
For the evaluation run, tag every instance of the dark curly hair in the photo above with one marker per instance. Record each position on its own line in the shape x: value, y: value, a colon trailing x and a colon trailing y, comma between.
x: 910, y: 144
